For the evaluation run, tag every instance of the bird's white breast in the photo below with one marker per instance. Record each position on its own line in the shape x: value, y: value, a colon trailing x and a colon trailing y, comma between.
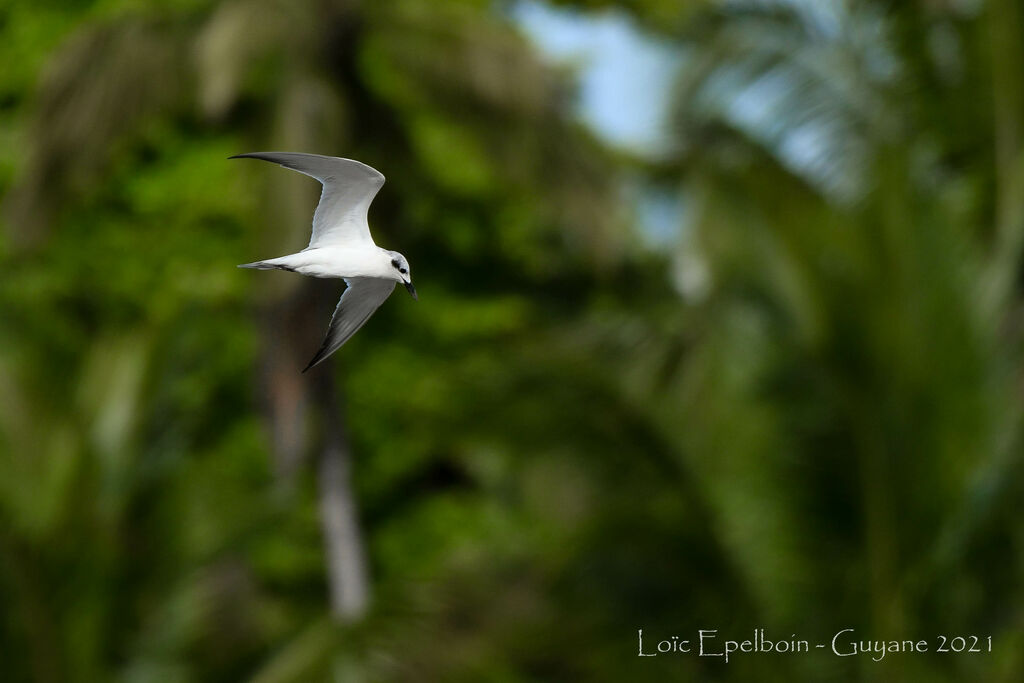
x: 341, y: 262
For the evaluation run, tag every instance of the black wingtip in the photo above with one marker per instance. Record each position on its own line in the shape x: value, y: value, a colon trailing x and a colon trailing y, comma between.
x: 311, y: 363
x: 315, y: 361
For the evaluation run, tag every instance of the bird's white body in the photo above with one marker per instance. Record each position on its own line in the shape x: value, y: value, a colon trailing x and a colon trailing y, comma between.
x: 340, y: 262
x: 341, y: 245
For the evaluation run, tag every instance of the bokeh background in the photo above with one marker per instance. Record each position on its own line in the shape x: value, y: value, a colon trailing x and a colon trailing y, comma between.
x: 720, y: 326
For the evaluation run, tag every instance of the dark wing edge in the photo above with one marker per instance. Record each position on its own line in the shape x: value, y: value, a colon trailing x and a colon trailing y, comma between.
x: 316, y: 166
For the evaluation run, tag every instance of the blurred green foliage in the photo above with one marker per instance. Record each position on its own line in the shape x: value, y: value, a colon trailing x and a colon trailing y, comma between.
x: 804, y: 416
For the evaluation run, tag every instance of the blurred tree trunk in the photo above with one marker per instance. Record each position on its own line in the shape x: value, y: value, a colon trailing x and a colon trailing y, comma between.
x: 290, y: 397
x: 285, y: 390
x: 346, y: 558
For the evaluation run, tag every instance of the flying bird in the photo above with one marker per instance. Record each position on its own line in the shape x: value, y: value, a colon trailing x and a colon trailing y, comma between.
x: 341, y: 245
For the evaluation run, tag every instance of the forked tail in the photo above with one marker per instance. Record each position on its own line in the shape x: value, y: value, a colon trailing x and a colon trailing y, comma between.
x: 266, y: 265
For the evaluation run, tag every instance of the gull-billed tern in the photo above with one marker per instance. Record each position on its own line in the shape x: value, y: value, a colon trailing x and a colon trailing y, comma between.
x: 341, y: 245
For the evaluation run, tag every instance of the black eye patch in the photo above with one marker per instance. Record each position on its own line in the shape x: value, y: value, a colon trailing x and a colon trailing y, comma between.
x: 403, y: 271
x: 395, y: 263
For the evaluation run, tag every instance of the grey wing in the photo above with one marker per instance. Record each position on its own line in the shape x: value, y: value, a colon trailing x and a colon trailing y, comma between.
x: 363, y: 296
x: 349, y: 187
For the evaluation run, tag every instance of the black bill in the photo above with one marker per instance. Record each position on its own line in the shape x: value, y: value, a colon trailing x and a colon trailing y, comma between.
x: 412, y: 290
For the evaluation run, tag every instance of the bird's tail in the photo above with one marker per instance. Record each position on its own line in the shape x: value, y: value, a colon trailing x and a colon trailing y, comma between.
x: 266, y: 265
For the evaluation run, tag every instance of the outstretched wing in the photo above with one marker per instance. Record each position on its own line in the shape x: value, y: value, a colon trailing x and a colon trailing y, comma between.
x: 363, y: 296
x: 349, y: 187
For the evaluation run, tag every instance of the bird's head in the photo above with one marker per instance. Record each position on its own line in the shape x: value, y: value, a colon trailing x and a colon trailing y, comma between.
x: 401, y: 272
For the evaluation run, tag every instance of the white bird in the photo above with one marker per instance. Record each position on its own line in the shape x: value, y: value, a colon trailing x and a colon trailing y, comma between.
x: 341, y: 245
